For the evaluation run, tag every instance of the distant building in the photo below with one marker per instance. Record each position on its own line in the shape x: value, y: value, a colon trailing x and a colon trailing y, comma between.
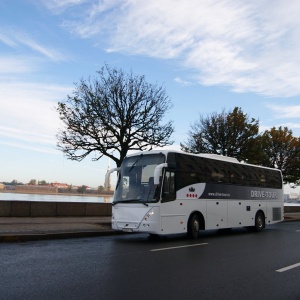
x: 36, y: 189
x: 10, y: 187
x: 294, y: 196
x: 107, y: 185
x: 2, y: 186
x: 59, y: 185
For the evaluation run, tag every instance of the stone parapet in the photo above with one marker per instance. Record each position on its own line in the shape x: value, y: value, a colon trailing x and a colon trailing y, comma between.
x: 291, y: 209
x: 53, y: 209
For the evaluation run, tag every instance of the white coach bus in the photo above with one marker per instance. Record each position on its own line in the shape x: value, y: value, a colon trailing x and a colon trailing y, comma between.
x: 168, y: 192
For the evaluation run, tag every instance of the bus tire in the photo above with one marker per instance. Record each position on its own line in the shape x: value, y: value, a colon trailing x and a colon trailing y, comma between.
x: 259, y: 222
x: 193, y: 227
x: 154, y: 236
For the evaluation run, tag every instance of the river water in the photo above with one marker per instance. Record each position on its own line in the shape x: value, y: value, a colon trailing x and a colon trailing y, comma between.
x: 54, y: 198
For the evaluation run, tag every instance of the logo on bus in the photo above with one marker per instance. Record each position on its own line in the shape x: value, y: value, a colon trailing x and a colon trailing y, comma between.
x: 263, y: 194
x: 191, y: 196
x: 192, y: 193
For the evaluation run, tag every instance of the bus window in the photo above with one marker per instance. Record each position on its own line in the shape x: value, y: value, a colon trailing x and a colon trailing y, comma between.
x: 262, y: 178
x: 273, y: 179
x: 217, y: 171
x: 239, y: 174
x: 235, y: 175
x: 169, y: 187
x: 191, y: 170
x: 254, y: 178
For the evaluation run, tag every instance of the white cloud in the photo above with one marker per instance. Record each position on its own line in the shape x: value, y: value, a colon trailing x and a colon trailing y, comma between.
x: 48, y: 52
x: 26, y: 135
x: 16, y: 38
x: 285, y: 111
x: 28, y: 116
x: 182, y: 81
x: 7, y: 40
x: 60, y: 5
x: 291, y: 126
x: 17, y: 64
x: 294, y: 127
x: 248, y: 46
x: 31, y: 148
x: 280, y: 115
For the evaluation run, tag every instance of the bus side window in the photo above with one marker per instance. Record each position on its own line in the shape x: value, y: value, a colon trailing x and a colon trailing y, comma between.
x: 238, y: 175
x: 169, y: 187
x: 263, y: 179
x: 273, y: 179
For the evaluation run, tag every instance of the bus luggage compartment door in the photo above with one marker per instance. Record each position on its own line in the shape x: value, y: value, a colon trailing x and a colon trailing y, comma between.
x: 216, y: 214
x: 173, y: 224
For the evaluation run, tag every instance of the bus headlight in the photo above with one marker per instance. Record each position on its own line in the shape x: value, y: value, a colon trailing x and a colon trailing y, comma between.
x: 149, y: 214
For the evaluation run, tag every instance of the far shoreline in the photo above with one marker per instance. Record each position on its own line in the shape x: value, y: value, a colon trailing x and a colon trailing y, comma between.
x: 58, y: 193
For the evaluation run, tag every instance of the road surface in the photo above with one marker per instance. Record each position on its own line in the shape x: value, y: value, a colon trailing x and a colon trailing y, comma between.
x: 235, y: 264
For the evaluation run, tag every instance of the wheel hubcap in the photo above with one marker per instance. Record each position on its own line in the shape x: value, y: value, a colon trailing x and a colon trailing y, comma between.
x: 196, y: 226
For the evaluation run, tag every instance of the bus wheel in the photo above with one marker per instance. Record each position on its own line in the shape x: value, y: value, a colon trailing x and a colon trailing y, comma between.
x: 153, y: 236
x: 259, y: 222
x: 193, y: 227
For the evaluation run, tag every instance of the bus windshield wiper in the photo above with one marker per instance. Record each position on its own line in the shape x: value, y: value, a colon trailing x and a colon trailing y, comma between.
x: 128, y: 201
x: 135, y: 163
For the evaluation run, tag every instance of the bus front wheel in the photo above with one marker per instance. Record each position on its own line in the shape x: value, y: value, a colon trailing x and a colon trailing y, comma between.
x: 193, y: 227
x: 259, y: 222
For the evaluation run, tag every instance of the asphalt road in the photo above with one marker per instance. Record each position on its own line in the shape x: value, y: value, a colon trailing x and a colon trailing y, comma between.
x: 236, y: 264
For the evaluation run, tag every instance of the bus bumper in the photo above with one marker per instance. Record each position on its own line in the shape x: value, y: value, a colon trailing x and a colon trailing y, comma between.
x: 142, y: 219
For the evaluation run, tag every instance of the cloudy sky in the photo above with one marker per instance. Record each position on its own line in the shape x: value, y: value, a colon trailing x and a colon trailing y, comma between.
x: 210, y: 55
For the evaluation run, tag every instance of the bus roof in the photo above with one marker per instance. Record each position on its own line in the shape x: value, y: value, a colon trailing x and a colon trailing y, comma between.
x: 204, y: 155
x: 219, y: 157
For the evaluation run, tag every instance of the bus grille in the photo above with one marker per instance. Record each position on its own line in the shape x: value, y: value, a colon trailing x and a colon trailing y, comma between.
x: 276, y: 213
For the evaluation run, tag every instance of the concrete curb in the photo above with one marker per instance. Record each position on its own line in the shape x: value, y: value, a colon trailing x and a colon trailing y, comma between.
x: 290, y: 219
x: 12, y: 238
x: 50, y: 236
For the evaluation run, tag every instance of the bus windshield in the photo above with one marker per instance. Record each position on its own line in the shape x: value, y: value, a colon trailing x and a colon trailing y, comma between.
x: 136, y: 179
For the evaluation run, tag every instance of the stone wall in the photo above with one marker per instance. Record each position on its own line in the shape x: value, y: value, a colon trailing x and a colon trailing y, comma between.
x: 291, y: 209
x: 53, y: 209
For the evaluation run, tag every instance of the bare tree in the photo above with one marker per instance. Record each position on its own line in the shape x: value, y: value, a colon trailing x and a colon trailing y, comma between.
x: 112, y: 114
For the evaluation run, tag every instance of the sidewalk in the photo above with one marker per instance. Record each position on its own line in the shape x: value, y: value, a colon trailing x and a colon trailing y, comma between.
x: 22, y: 229
x: 29, y: 229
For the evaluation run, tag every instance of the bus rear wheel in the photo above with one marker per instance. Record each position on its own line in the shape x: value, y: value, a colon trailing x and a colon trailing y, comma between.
x: 259, y: 222
x: 193, y: 227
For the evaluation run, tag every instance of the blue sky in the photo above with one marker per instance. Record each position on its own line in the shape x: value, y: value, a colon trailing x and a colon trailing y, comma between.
x: 209, y: 55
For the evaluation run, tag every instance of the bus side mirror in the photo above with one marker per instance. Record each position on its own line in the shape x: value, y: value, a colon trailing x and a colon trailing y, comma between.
x: 157, y: 172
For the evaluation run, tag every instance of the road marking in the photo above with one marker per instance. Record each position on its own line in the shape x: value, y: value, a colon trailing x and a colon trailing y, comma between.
x: 288, y: 268
x: 298, y: 230
x: 171, y: 248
